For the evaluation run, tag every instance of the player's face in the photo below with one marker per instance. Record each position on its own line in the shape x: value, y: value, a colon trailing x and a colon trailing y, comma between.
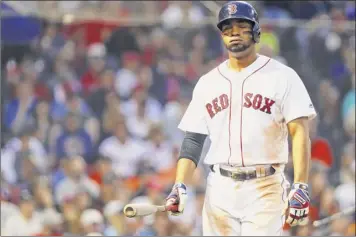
x: 237, y: 37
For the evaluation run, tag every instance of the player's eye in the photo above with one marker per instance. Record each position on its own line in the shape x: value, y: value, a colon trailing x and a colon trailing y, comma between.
x: 226, y: 28
x: 227, y: 32
x: 247, y: 32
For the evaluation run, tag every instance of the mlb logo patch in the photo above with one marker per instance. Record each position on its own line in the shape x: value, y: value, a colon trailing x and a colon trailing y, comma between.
x: 232, y: 9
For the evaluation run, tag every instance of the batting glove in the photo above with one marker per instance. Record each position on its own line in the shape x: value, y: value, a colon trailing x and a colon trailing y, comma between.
x: 298, y: 202
x: 175, y: 201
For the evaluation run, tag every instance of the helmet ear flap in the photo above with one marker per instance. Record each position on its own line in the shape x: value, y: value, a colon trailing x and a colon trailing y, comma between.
x: 256, y: 32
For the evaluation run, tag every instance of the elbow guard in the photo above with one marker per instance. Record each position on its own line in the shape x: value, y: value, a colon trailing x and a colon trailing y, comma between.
x: 192, y: 146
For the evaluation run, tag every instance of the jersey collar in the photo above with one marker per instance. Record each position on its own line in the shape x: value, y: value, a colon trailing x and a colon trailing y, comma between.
x: 230, y: 74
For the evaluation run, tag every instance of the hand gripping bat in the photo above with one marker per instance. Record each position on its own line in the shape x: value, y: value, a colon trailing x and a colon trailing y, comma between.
x: 136, y: 210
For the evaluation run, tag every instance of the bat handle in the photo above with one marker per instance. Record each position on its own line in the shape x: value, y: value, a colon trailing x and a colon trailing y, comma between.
x: 162, y: 208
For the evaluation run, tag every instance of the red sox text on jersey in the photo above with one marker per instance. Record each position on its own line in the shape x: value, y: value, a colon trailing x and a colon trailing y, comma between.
x: 257, y: 102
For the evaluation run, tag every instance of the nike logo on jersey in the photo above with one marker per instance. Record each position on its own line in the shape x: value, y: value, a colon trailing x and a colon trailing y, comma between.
x: 258, y: 102
x: 217, y: 105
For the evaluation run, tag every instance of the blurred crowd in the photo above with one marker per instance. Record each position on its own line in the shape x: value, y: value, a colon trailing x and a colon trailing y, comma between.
x: 89, y: 127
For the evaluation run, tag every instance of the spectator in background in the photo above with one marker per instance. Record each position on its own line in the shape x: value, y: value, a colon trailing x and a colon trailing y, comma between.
x: 328, y: 203
x: 161, y: 88
x: 61, y: 80
x: 152, y: 109
x: 75, y: 181
x: 145, y: 77
x: 24, y: 222
x: 74, y: 139
x: 92, y: 221
x: 347, y: 163
x: 121, y: 41
x: 109, y: 188
x: 345, y: 192
x: 160, y: 151
x: 96, y: 64
x: 97, y: 98
x: 139, y: 124
x: 76, y: 104
x: 159, y: 40
x: 318, y: 182
x: 115, y: 218
x: 269, y: 44
x: 52, y: 223
x: 19, y: 111
x: 83, y: 200
x: 320, y: 147
x: 173, y: 112
x: 43, y: 194
x: 111, y: 114
x: 102, y: 167
x: 26, y: 171
x: 43, y: 122
x: 330, y: 127
x: 8, y: 208
x: 51, y: 41
x: 198, y: 56
x: 23, y: 148
x: 178, y: 13
x: 126, y: 78
x: 72, y: 102
x: 71, y: 216
x: 125, y: 152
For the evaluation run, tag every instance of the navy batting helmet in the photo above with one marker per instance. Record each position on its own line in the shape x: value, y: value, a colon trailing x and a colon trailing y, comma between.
x: 240, y: 10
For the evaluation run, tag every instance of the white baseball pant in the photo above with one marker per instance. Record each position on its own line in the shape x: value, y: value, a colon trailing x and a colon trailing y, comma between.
x: 245, y: 208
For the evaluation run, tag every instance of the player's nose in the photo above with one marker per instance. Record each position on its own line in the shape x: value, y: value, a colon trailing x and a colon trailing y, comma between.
x: 236, y: 30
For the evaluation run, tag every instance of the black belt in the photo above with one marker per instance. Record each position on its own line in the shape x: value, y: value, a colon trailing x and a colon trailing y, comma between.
x: 244, y: 175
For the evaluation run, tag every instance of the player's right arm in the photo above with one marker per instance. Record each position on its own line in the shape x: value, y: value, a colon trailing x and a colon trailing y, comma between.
x: 196, y: 131
x: 189, y: 156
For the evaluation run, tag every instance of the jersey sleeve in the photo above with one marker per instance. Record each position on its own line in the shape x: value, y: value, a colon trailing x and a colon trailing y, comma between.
x: 296, y: 102
x: 194, y: 119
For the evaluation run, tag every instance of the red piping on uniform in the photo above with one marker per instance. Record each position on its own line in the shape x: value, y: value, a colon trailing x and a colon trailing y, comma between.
x: 228, y: 161
x: 283, y: 193
x: 242, y: 94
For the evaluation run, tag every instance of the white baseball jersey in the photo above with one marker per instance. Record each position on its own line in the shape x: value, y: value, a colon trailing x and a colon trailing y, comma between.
x: 246, y: 113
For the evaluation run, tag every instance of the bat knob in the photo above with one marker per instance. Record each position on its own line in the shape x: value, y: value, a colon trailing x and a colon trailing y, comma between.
x: 129, y: 211
x: 316, y: 224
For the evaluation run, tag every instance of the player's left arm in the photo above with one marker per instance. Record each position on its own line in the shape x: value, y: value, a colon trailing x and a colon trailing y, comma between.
x: 298, y: 110
x: 299, y: 132
x: 298, y: 198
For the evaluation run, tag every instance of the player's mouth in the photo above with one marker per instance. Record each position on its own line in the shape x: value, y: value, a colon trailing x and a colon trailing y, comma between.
x: 235, y: 41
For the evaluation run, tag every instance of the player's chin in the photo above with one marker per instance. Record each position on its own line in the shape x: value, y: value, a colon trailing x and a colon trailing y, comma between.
x: 239, y: 54
x: 238, y: 51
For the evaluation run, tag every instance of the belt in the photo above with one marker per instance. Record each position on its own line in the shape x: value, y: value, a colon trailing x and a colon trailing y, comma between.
x: 242, y: 175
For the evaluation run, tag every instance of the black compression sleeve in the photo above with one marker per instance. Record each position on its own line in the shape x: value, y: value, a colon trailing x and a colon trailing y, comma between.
x: 192, y: 146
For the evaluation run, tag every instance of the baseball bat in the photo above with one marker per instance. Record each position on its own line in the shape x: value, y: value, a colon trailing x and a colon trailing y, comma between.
x: 334, y: 217
x: 135, y: 210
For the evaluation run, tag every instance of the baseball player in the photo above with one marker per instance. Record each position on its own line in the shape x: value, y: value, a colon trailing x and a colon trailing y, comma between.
x: 248, y: 105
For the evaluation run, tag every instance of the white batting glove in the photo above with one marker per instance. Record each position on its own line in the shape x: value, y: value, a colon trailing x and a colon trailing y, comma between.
x: 175, y: 202
x: 298, y: 202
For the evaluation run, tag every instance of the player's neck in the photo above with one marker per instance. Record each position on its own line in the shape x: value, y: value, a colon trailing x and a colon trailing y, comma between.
x: 238, y: 64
